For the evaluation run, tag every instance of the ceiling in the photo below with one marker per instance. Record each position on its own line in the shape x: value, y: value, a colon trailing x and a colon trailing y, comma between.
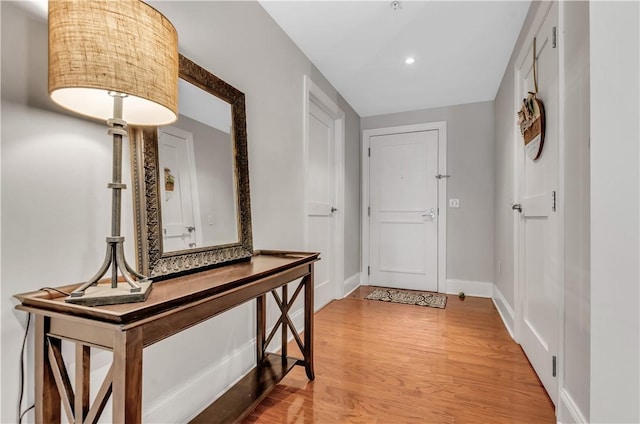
x: 461, y: 48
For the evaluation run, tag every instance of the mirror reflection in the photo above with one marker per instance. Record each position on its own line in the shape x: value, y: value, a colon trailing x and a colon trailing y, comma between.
x: 197, y: 173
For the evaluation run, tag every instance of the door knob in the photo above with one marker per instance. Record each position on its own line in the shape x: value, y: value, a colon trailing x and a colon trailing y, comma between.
x: 517, y: 207
x: 431, y: 215
x: 333, y: 209
x: 191, y: 229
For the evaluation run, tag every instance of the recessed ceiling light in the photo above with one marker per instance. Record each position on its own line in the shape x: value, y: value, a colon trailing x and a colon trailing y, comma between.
x: 410, y: 60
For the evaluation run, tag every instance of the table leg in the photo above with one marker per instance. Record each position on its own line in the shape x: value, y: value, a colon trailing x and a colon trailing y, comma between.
x: 47, y: 399
x: 308, y: 324
x: 284, y: 335
x: 261, y: 327
x: 82, y: 386
x: 127, y: 377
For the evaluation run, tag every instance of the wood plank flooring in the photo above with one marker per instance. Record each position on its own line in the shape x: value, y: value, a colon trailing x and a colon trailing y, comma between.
x: 379, y: 362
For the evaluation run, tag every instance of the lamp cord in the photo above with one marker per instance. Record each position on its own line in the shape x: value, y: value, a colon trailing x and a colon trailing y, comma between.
x: 21, y: 413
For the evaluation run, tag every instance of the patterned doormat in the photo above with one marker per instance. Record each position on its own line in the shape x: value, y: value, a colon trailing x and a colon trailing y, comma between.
x: 433, y: 300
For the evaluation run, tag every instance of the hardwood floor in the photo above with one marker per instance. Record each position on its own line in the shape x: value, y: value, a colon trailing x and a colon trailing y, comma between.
x: 379, y: 362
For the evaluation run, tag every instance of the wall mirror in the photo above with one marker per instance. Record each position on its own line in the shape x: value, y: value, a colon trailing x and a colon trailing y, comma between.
x: 191, y: 180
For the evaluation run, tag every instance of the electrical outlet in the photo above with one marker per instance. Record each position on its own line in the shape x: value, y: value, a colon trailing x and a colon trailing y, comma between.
x: 454, y: 203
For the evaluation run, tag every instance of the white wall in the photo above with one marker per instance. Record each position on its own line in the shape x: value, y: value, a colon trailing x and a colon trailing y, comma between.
x: 55, y: 205
x: 615, y: 211
x: 1, y: 375
x: 574, y: 43
x: 470, y: 141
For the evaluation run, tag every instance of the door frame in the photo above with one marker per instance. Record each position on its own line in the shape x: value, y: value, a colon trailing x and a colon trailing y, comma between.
x: 518, y: 161
x: 441, y: 127
x: 313, y: 93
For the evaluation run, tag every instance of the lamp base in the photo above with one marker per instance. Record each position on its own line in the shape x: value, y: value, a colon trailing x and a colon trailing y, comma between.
x: 104, y: 294
x: 91, y: 293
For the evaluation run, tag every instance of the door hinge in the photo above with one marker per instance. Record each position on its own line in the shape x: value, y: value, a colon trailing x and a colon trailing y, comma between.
x: 553, y: 365
x: 553, y: 201
x: 369, y: 211
x: 368, y: 270
x: 369, y: 152
x: 554, y: 37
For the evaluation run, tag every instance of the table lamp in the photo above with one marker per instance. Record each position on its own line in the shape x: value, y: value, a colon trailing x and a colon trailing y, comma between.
x: 115, y: 60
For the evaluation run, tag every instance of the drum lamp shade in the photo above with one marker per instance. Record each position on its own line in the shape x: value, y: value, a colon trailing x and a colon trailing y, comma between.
x: 122, y: 46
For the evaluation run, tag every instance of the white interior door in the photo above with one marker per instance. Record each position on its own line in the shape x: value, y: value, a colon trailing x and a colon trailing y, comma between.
x: 539, y: 255
x: 176, y: 160
x: 403, y: 196
x: 321, y: 198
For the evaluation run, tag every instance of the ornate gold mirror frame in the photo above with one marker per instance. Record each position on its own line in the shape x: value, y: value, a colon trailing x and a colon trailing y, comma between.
x: 147, y: 178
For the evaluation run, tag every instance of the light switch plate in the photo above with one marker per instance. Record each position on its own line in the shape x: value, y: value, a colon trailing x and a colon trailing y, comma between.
x: 454, y: 203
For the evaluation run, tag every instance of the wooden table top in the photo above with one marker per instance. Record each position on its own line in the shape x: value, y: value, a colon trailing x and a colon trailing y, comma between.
x: 172, y: 292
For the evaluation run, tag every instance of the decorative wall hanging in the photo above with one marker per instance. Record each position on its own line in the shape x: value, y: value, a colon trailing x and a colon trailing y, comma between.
x: 531, y: 117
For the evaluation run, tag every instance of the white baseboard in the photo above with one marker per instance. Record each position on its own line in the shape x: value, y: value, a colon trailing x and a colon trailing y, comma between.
x: 505, y: 310
x: 470, y: 288
x: 193, y: 396
x: 568, y: 410
x: 350, y: 284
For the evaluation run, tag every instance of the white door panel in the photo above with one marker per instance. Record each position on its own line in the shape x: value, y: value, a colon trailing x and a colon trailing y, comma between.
x: 401, y: 173
x: 319, y: 240
x: 320, y: 181
x: 319, y: 209
x: 539, y: 257
x: 404, y: 205
x: 393, y: 258
x: 537, y: 206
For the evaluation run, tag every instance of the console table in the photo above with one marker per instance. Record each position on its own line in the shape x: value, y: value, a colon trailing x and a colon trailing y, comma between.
x: 174, y: 305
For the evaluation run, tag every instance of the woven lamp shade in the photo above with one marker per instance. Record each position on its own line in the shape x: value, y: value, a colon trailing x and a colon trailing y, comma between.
x: 123, y: 46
